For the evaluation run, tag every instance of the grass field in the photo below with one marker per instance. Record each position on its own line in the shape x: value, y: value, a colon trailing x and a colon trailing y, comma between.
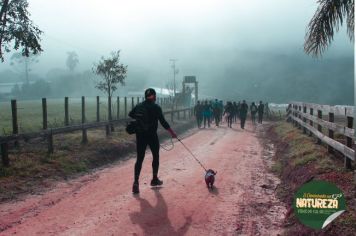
x: 29, y: 112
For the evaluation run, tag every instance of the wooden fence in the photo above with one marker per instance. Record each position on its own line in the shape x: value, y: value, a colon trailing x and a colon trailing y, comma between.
x: 48, y: 134
x: 324, y: 121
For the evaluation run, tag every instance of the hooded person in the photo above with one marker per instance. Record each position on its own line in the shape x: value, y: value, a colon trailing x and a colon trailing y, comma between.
x: 147, y: 114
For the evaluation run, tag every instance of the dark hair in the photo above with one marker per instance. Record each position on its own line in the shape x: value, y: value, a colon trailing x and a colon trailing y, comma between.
x: 149, y: 92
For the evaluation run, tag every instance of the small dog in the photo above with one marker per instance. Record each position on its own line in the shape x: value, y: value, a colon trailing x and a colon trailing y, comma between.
x: 210, y: 178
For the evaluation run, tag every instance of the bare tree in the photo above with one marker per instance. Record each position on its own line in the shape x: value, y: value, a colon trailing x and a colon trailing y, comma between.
x: 329, y: 16
x: 16, y: 28
x: 24, y: 63
x: 112, y: 73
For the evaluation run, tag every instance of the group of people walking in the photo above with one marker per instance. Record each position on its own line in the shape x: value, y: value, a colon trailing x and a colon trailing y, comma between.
x: 207, y: 112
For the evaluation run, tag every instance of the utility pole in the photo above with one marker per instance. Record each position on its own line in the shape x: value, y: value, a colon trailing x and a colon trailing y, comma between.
x: 175, y: 71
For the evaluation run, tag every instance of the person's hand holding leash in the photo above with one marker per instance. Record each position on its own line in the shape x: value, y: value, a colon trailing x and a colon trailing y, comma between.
x: 173, y: 134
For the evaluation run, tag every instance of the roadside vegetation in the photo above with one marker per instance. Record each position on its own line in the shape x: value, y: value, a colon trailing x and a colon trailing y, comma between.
x: 298, y: 159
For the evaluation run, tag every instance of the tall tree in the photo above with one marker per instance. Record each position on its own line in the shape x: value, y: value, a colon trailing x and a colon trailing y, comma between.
x: 112, y: 73
x: 72, y: 60
x: 25, y: 63
x: 16, y: 28
x: 329, y: 16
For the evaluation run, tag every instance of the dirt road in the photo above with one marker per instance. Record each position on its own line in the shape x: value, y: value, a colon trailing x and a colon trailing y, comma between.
x: 243, y: 202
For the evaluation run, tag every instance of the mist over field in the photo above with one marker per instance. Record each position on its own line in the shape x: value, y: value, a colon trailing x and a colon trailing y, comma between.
x: 238, y: 50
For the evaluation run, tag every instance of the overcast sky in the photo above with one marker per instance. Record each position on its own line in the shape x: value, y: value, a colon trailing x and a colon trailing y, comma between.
x: 196, y: 32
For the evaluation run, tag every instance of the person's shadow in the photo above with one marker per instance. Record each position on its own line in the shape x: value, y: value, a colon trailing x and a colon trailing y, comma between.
x: 154, y: 219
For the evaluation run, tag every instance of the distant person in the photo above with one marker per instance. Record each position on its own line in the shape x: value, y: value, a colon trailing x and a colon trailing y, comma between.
x: 229, y: 113
x: 216, y: 112
x: 261, y: 108
x: 221, y: 108
x: 207, y: 113
x: 235, y: 108
x: 267, y: 111
x: 147, y: 114
x: 253, y: 109
x: 198, y: 112
x: 238, y: 109
x: 243, y: 113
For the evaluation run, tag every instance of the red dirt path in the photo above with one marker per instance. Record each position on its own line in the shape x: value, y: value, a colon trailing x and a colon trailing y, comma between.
x: 243, y: 202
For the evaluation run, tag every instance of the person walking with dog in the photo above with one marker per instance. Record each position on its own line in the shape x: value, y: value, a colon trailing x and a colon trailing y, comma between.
x: 147, y: 114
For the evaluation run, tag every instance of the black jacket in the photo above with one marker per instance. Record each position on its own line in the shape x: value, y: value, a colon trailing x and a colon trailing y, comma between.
x: 147, y: 114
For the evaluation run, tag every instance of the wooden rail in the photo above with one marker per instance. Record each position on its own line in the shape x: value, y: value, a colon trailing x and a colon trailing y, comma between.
x: 309, y: 115
x: 49, y: 133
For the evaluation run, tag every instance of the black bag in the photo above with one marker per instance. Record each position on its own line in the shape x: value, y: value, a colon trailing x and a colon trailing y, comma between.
x: 142, y: 123
x: 131, y: 127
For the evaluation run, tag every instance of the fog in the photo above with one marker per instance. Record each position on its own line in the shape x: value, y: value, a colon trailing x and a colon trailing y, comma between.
x: 237, y: 49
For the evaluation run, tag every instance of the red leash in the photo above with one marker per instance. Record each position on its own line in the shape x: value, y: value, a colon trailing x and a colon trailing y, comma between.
x: 192, y: 154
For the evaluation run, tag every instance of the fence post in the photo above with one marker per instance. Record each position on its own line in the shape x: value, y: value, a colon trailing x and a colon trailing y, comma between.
x: 66, y: 112
x: 304, y: 119
x: 311, y: 121
x: 15, y: 126
x: 44, y: 113
x: 300, y: 116
x: 84, y: 132
x: 320, y: 116
x: 178, y: 115
x: 97, y: 109
x: 107, y: 129
x: 172, y: 114
x: 50, y: 142
x: 295, y: 115
x: 347, y: 162
x: 118, y: 108
x: 132, y: 102
x: 125, y: 107
x: 83, y: 109
x: 5, y: 154
x: 331, y: 132
x: 110, y: 114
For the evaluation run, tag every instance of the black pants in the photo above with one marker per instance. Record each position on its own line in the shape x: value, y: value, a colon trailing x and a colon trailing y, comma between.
x: 142, y: 140
x: 199, y: 120
x: 229, y: 120
x: 253, y: 117
x: 243, y: 120
x: 260, y: 117
x: 207, y: 119
x: 217, y: 119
